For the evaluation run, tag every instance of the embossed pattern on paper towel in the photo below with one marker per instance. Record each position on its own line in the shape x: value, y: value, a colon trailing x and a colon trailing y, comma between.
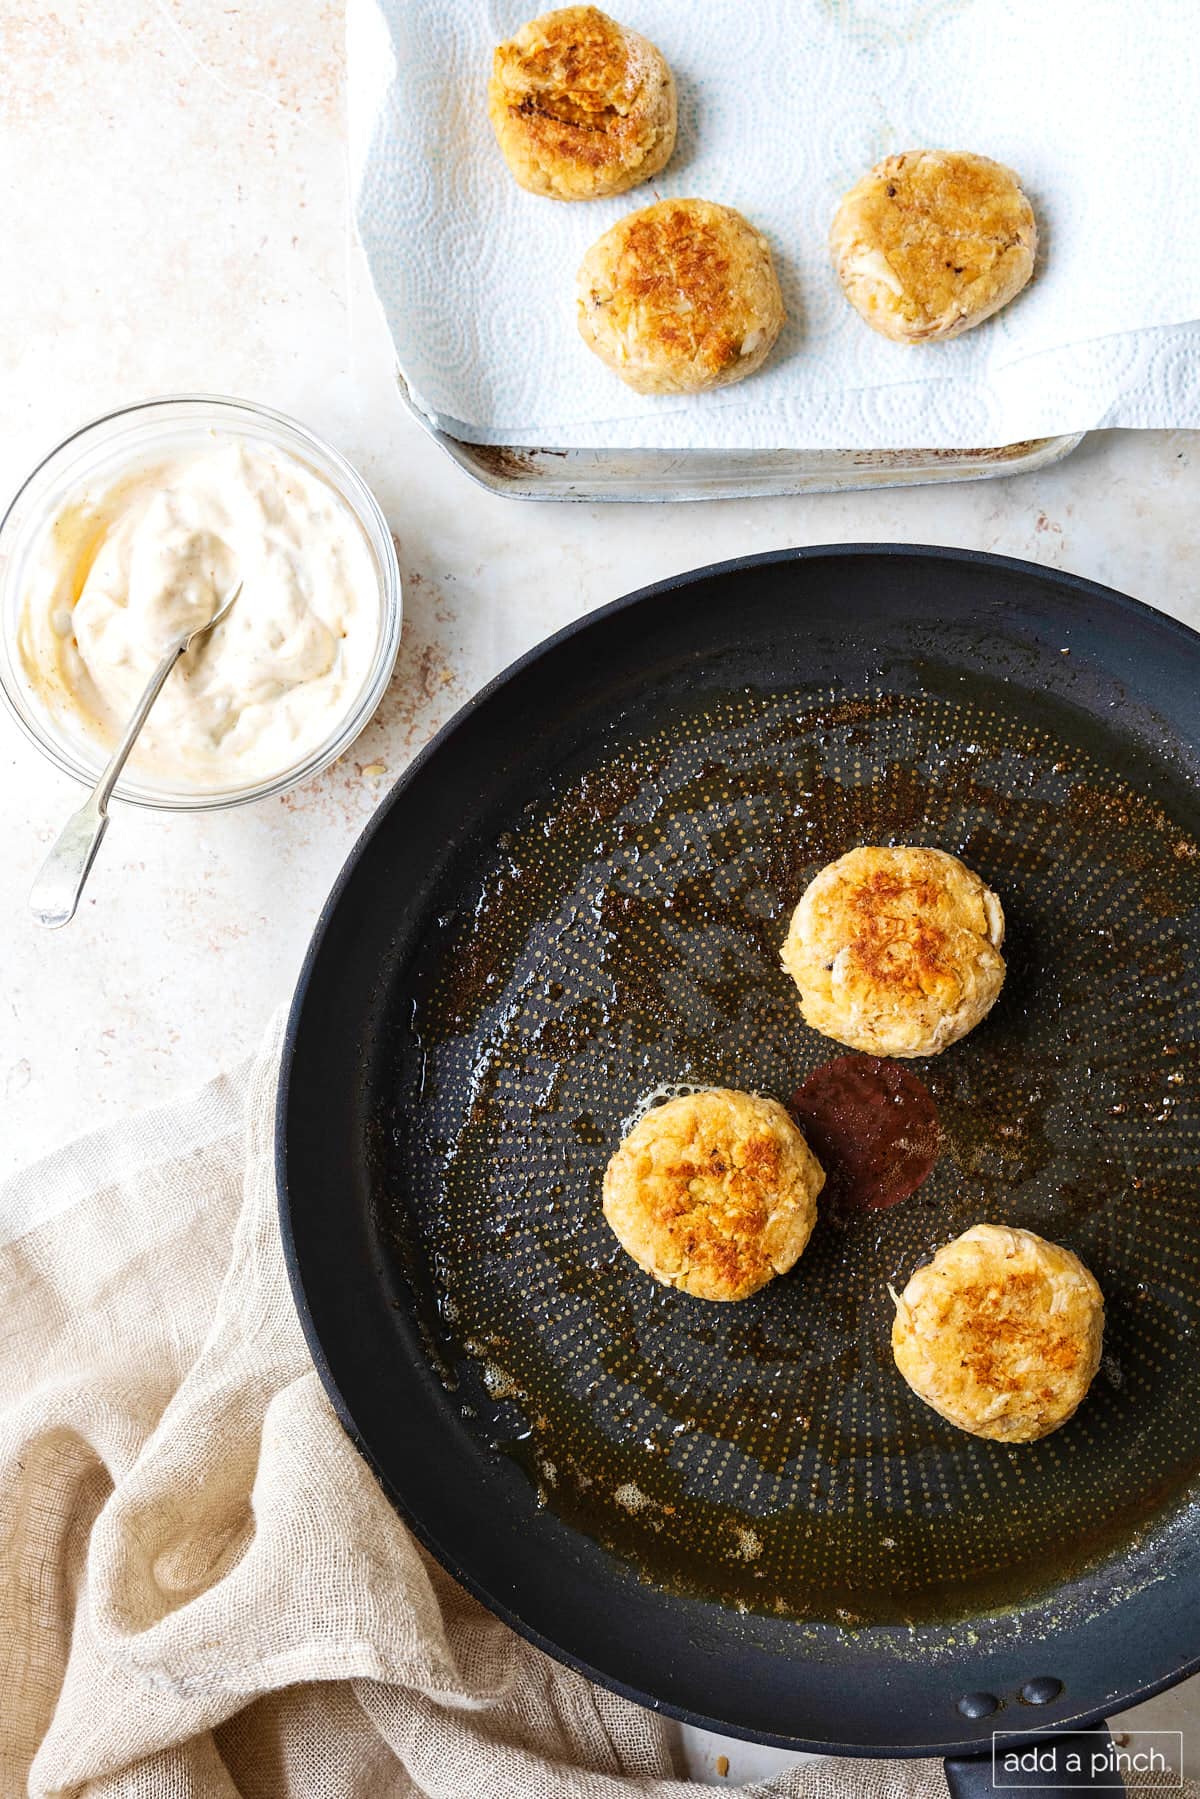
x: 783, y: 103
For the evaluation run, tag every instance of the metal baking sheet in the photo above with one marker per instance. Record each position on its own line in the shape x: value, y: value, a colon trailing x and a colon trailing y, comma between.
x: 646, y: 475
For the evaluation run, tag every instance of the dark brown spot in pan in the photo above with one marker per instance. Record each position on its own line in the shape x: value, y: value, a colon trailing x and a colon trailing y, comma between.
x: 872, y: 1126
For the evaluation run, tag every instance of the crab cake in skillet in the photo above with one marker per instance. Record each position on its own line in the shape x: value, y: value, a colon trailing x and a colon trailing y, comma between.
x: 581, y: 107
x: 680, y: 297
x: 932, y: 242
x: 1001, y: 1333
x: 714, y: 1192
x: 896, y: 952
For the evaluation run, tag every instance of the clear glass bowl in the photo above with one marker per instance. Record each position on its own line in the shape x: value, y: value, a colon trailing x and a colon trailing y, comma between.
x: 101, y: 450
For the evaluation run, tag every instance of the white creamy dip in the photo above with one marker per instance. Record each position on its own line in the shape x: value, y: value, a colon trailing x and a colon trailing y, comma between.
x: 132, y: 561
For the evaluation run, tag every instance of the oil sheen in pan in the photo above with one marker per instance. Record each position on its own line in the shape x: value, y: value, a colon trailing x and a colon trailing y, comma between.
x: 623, y: 938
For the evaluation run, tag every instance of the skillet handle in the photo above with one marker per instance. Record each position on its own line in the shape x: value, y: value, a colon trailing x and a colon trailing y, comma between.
x: 1067, y: 1761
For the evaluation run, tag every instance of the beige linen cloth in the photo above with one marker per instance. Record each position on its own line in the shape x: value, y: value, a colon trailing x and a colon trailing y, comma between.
x: 203, y: 1593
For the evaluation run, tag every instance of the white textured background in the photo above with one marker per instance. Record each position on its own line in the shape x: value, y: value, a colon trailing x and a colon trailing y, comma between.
x: 783, y: 105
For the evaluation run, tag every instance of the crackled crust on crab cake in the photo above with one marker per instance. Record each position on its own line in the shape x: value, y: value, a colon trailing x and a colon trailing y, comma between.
x: 1001, y: 1333
x: 581, y: 106
x: 896, y: 951
x: 714, y: 1193
x: 932, y: 242
x: 680, y: 297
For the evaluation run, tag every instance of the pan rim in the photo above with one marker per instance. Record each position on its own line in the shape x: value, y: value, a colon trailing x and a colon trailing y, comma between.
x: 1081, y: 586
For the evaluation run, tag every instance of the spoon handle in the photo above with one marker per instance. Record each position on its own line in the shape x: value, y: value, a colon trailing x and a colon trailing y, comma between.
x: 102, y: 792
x: 55, y: 893
x: 60, y: 881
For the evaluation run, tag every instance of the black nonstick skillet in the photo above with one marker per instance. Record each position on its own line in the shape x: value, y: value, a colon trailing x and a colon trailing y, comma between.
x: 572, y: 904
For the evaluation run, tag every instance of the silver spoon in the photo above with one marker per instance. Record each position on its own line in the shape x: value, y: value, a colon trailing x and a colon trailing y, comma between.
x: 55, y: 893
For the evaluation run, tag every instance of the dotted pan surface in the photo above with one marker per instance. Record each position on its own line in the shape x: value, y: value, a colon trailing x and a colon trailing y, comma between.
x: 621, y: 938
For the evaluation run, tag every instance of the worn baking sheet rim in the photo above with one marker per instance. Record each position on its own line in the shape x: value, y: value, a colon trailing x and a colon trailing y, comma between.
x: 643, y: 476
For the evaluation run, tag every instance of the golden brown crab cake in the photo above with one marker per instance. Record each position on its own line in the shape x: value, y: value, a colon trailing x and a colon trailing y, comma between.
x: 581, y: 107
x: 680, y: 297
x: 932, y: 242
x: 1001, y: 1333
x: 896, y: 952
x: 714, y: 1192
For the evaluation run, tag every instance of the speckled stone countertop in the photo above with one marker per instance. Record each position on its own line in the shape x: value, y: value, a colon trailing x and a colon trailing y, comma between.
x: 176, y: 212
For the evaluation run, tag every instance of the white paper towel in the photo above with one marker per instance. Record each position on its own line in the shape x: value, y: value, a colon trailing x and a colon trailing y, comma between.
x: 783, y: 104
